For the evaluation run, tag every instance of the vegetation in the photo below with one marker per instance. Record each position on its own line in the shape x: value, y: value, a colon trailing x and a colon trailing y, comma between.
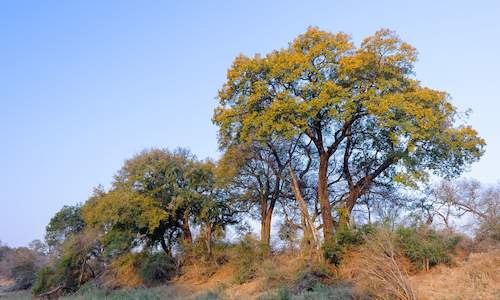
x: 335, y: 141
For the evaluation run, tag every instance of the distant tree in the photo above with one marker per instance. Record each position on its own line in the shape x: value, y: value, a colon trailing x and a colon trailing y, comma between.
x: 452, y: 200
x: 358, y: 106
x: 38, y: 247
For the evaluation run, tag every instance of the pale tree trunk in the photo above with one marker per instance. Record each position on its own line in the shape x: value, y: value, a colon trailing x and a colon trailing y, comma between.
x: 164, y: 246
x: 208, y: 240
x: 309, y: 229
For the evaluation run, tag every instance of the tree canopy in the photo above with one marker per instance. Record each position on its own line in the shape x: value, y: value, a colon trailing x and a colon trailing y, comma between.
x: 360, y: 106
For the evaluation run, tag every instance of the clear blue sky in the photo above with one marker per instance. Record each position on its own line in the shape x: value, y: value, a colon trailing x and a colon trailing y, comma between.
x: 87, y: 84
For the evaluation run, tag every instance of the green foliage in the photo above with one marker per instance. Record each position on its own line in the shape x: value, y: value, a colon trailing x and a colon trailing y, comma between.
x: 210, y: 295
x: 360, y: 105
x: 282, y: 293
x: 351, y: 236
x: 157, y: 268
x: 319, y: 291
x: 73, y: 268
x: 311, y: 277
x: 122, y: 215
x: 44, y: 280
x: 345, y: 238
x: 322, y: 78
x: 425, y: 247
x: 247, y: 256
x: 332, y: 251
x: 336, y: 292
x: 91, y: 292
x: 65, y: 223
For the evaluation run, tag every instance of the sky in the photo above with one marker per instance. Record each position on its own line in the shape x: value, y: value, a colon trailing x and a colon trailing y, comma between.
x: 85, y: 85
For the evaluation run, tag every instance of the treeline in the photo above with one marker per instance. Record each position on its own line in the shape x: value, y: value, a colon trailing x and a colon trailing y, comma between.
x: 324, y: 134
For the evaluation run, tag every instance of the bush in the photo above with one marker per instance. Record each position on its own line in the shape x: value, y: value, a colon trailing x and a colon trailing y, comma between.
x: 247, y: 255
x: 20, y: 265
x: 336, y: 292
x: 332, y: 252
x: 157, y: 268
x: 311, y: 277
x: 24, y: 275
x: 425, y: 247
x: 43, y: 280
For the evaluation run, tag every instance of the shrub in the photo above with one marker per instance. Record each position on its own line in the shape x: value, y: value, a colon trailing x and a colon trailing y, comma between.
x: 354, y: 236
x: 281, y: 294
x: 20, y: 265
x: 157, y: 268
x: 346, y: 237
x: 247, y: 255
x: 336, y: 292
x: 332, y: 252
x: 210, y: 295
x: 311, y: 277
x: 43, y: 280
x: 123, y: 271
x: 426, y: 247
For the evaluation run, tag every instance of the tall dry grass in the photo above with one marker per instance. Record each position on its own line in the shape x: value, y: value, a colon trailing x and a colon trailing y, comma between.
x: 382, y: 270
x: 477, y: 277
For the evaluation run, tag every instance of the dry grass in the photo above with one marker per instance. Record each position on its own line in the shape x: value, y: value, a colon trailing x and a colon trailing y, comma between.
x: 478, y: 277
x: 378, y: 269
x: 272, y: 273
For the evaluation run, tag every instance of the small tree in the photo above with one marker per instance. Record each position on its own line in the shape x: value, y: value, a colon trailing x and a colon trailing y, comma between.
x: 64, y: 224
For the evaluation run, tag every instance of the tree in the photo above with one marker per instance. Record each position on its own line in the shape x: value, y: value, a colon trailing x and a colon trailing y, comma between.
x: 451, y: 200
x: 38, y: 247
x: 154, y: 198
x: 255, y: 173
x: 125, y: 218
x: 162, y: 175
x: 360, y: 106
x: 65, y: 223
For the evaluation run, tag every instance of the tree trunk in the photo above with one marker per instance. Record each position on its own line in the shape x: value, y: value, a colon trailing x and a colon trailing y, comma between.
x: 208, y: 240
x: 310, y: 234
x: 164, y: 246
x: 324, y: 201
x: 265, y: 231
x: 186, y: 230
x: 354, y: 194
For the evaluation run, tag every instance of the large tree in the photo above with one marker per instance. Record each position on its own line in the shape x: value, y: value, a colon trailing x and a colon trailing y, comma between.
x: 346, y: 100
